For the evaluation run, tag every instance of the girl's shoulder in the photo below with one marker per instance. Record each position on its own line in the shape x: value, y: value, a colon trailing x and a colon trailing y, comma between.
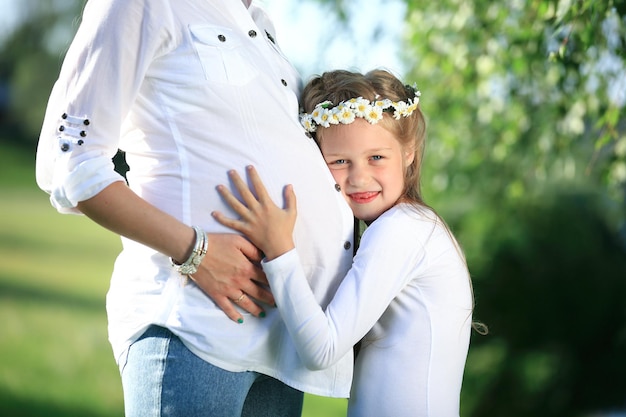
x: 407, y: 222
x: 408, y: 215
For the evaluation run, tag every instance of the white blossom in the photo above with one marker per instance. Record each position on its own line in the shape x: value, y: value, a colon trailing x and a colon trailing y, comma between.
x: 324, y: 114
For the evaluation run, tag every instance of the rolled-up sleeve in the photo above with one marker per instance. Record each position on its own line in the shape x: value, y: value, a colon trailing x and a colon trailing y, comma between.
x: 100, y: 78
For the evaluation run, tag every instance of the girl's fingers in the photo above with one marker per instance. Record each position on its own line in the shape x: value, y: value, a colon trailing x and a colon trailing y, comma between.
x: 228, y: 222
x: 251, y: 205
x: 242, y: 187
x: 258, y: 185
x: 232, y: 201
x: 290, y: 199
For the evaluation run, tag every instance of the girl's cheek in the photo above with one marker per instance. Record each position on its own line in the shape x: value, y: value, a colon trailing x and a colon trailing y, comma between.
x: 337, y: 176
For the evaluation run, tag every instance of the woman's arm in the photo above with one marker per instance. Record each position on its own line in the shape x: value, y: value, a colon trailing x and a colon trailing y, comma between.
x: 227, y: 269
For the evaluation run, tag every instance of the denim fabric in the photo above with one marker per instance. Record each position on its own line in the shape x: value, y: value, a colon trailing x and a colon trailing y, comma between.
x: 162, y: 378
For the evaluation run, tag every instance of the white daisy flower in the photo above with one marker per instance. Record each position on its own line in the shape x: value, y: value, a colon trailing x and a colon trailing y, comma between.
x: 374, y: 114
x: 345, y: 115
x: 361, y: 107
x: 324, y: 118
x: 334, y: 116
x: 307, y: 122
x: 401, y: 109
x: 316, y: 113
x: 352, y: 103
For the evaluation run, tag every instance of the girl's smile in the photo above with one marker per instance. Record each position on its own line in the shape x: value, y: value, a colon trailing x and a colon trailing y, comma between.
x: 363, y: 198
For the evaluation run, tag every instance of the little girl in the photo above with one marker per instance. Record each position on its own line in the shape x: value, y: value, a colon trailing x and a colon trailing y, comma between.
x: 408, y: 296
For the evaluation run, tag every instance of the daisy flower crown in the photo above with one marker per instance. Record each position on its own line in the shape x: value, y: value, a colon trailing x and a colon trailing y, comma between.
x: 325, y: 114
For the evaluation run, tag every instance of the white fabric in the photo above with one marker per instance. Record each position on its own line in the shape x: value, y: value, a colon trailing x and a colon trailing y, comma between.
x: 154, y: 79
x: 408, y: 292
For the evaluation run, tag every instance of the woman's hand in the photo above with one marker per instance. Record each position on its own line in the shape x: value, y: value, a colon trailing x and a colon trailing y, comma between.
x: 230, y: 275
x: 268, y: 227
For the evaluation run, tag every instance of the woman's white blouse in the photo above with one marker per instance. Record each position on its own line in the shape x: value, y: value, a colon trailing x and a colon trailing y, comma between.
x: 409, y: 294
x: 190, y: 89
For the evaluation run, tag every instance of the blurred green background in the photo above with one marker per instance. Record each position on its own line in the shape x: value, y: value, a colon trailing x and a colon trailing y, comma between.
x: 526, y: 160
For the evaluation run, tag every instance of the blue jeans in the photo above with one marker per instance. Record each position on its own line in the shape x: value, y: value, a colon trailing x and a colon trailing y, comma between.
x: 162, y: 378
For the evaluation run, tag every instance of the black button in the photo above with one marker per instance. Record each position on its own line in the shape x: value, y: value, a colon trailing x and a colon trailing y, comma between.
x: 337, y: 187
x: 65, y: 147
x: 222, y: 38
x: 83, y: 133
x: 61, y: 128
x: 80, y: 142
x: 64, y: 116
x: 86, y: 122
x: 252, y: 33
x: 347, y: 245
x: 284, y: 82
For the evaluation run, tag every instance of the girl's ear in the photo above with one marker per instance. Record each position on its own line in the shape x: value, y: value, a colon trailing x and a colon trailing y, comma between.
x: 409, y: 156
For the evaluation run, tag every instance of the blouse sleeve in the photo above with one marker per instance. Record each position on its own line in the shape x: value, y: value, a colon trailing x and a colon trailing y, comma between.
x: 388, y: 254
x: 99, y: 79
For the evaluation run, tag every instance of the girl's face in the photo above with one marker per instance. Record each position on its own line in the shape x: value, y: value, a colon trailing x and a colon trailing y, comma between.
x: 368, y: 163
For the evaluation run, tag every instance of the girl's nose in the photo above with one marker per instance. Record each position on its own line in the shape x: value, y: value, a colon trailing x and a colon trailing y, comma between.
x: 358, y: 177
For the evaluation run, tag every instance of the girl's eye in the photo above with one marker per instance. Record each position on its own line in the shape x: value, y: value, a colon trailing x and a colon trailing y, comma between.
x: 377, y: 157
x: 339, y: 162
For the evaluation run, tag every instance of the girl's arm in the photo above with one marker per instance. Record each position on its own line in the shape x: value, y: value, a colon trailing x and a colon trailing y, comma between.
x: 321, y: 337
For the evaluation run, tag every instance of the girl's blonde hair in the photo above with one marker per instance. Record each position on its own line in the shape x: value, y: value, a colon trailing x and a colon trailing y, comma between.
x: 410, y: 131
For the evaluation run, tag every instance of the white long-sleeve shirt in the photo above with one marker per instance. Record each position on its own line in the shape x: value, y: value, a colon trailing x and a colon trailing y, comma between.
x: 409, y: 294
x: 190, y: 89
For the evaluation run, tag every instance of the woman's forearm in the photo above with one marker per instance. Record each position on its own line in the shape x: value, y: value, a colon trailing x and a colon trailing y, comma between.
x: 119, y: 209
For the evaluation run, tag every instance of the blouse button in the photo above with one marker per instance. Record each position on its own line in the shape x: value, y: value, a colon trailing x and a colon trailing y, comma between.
x: 65, y: 147
x: 252, y: 33
x: 222, y: 38
x: 337, y: 187
x: 284, y: 82
x: 347, y: 245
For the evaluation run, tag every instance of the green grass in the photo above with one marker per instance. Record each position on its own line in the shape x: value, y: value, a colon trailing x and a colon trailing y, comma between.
x: 55, y: 359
